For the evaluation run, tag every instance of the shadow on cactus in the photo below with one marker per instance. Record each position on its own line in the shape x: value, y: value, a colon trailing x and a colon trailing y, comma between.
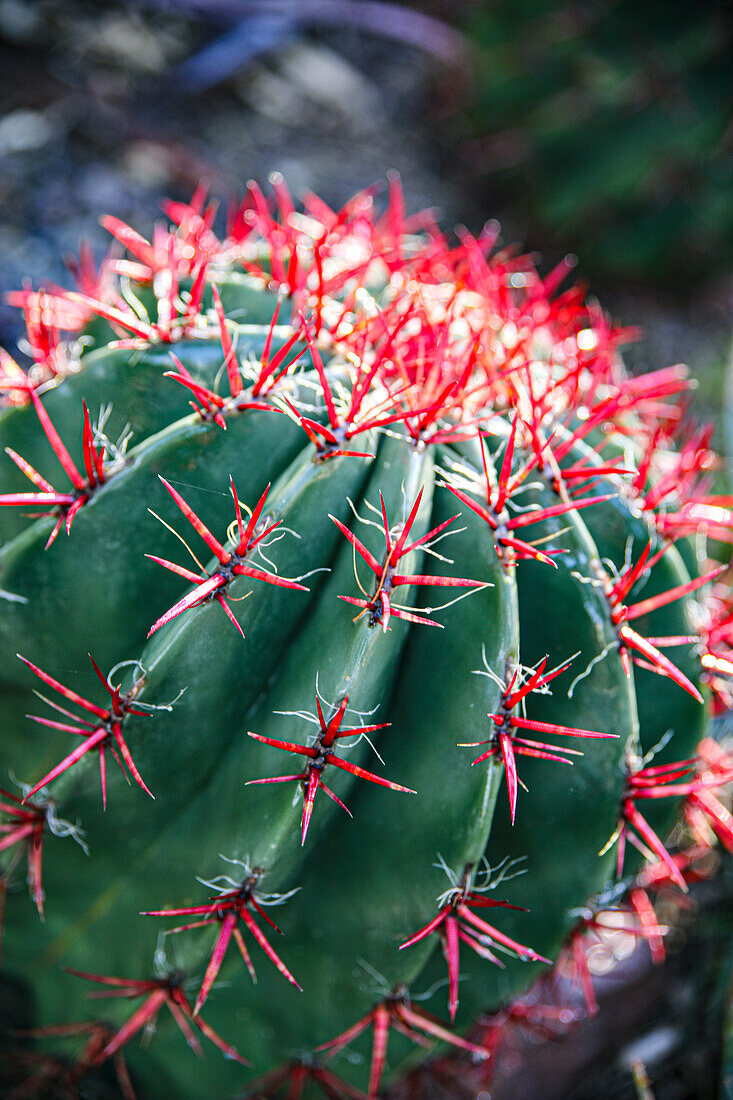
x: 398, y: 601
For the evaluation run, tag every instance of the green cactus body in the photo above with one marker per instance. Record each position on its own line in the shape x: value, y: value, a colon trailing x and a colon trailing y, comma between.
x: 418, y: 604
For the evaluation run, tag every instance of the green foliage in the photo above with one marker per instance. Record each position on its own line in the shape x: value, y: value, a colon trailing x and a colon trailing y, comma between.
x: 606, y: 128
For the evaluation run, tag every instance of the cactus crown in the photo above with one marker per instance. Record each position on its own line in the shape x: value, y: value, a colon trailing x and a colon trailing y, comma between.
x: 438, y: 515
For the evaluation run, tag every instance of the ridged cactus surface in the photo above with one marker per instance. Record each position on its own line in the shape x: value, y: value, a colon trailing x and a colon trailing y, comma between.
x: 361, y: 591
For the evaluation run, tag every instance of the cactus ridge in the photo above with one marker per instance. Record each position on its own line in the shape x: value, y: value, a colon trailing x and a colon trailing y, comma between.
x: 342, y: 408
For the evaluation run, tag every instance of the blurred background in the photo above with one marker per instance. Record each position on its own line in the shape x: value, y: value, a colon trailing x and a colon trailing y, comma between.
x: 602, y: 128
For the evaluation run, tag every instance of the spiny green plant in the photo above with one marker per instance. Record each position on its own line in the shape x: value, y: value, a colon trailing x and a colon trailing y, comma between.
x: 444, y: 553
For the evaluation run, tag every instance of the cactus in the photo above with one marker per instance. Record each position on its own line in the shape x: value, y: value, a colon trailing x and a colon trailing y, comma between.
x: 421, y: 533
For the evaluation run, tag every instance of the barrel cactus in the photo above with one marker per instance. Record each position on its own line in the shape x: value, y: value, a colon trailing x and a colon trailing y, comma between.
x: 349, y: 581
